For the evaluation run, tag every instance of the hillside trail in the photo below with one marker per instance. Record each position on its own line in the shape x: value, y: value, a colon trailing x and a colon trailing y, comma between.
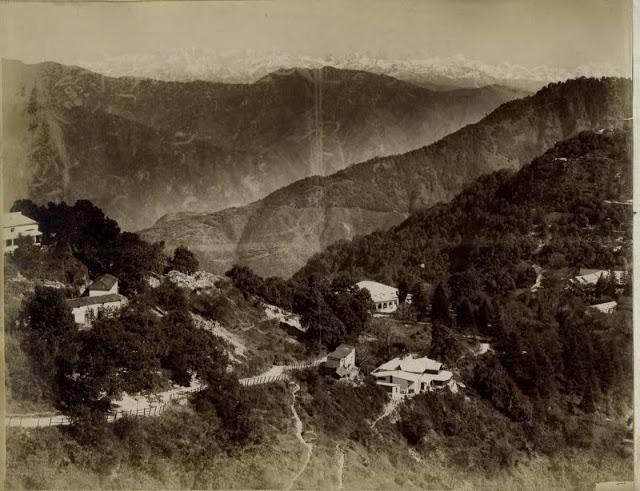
x: 309, y: 446
x: 386, y: 411
x: 340, y: 466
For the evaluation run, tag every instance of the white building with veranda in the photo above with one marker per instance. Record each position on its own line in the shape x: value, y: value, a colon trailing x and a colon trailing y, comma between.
x: 385, y: 298
x: 14, y: 226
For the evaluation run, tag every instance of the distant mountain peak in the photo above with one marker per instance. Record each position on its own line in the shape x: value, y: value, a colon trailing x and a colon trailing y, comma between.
x: 249, y: 66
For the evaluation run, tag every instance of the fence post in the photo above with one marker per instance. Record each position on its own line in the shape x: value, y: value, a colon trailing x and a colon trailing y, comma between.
x: 50, y: 420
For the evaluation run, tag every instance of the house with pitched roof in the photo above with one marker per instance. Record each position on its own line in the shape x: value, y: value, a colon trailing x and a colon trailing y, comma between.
x: 408, y: 376
x: 16, y: 225
x: 103, y: 285
x: 385, y: 298
x: 101, y: 296
x: 341, y: 362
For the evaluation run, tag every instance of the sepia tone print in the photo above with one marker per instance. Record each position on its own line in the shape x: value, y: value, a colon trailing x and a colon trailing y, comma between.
x: 318, y: 245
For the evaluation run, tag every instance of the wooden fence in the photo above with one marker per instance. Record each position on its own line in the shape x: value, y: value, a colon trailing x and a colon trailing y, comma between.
x: 26, y: 421
x: 268, y: 379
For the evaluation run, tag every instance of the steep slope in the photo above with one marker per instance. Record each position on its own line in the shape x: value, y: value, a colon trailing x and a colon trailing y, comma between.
x: 568, y: 207
x: 278, y: 234
x: 143, y: 148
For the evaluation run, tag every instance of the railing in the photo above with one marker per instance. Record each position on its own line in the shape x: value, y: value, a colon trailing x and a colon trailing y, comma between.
x: 251, y: 381
x: 268, y: 379
x: 25, y: 421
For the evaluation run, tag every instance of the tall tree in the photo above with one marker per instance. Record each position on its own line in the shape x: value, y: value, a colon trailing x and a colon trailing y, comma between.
x: 183, y: 260
x: 440, y: 306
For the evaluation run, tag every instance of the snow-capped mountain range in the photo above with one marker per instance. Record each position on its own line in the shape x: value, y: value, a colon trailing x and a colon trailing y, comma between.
x: 249, y: 66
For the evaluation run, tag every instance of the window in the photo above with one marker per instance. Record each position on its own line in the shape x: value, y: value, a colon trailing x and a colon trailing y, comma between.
x: 38, y: 239
x: 9, y: 241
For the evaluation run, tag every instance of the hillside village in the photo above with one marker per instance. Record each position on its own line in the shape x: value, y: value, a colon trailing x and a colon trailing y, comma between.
x: 484, y: 364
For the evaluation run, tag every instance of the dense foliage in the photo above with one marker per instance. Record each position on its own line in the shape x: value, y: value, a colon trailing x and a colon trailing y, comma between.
x: 503, y: 222
x: 330, y: 311
x: 96, y: 241
x: 182, y: 260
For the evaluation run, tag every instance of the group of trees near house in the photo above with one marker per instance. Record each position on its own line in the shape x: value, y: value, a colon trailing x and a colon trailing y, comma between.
x: 504, y: 222
x: 82, y: 231
x: 554, y: 370
x: 147, y: 345
x: 332, y: 312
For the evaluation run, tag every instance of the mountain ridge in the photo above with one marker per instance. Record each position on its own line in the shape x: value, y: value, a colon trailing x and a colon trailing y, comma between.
x: 207, y: 146
x: 435, y: 72
x: 282, y: 230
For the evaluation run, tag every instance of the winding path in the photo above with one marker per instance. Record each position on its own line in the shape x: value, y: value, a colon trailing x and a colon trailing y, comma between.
x: 386, y: 411
x: 309, y: 446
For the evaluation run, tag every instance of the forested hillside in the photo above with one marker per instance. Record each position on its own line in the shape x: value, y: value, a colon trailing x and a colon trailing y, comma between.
x: 564, y: 209
x: 545, y: 402
x: 276, y: 235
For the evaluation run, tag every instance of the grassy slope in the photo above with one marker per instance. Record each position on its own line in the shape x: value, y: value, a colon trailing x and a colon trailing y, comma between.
x: 46, y: 459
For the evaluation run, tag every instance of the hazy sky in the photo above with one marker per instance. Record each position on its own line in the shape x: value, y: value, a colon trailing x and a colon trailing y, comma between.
x: 563, y: 33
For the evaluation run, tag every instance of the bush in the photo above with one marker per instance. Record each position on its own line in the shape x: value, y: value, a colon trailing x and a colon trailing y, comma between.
x: 182, y: 260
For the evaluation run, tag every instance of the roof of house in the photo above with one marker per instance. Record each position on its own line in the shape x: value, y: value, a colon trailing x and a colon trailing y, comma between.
x: 378, y: 291
x: 398, y: 374
x: 591, y: 276
x: 104, y: 282
x: 341, y: 351
x: 441, y: 376
x: 411, y: 365
x: 99, y: 300
x: 15, y: 219
x: 605, y: 307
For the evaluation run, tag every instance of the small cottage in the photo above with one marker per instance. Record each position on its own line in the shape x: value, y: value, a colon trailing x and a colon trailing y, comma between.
x: 86, y: 309
x: 101, y: 296
x: 341, y: 362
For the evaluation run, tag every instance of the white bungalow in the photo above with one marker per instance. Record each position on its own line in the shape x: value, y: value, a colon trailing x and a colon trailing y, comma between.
x: 385, y: 298
x: 409, y: 376
x: 15, y: 225
x: 86, y: 309
x: 100, y: 296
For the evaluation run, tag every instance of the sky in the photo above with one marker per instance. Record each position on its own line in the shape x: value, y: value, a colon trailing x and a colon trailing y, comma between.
x: 560, y: 33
